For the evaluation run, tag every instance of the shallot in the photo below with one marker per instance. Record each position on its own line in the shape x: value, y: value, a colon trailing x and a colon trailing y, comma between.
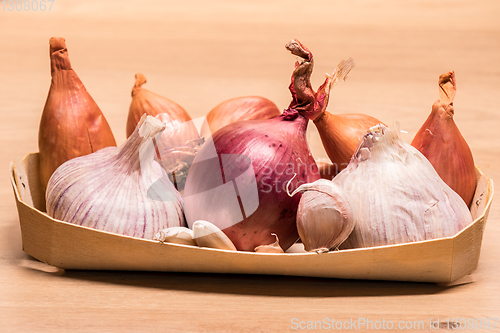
x: 178, y: 143
x: 72, y: 124
x: 440, y: 140
x: 341, y: 133
x: 237, y: 109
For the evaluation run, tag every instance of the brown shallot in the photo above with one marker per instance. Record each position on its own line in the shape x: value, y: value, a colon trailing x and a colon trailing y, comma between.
x: 236, y: 109
x: 440, y: 140
x: 72, y: 124
x: 178, y: 143
x: 341, y: 133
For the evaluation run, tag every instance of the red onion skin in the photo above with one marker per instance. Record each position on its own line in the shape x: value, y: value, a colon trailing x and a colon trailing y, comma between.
x: 440, y: 140
x: 278, y: 149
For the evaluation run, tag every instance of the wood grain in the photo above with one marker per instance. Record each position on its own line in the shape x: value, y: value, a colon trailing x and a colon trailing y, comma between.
x: 201, y: 53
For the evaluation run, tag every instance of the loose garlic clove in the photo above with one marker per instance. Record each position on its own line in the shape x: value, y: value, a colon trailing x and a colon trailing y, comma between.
x: 207, y: 234
x: 325, y: 217
x: 178, y: 235
x: 271, y: 248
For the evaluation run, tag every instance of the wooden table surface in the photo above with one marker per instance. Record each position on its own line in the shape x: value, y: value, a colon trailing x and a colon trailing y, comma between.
x: 201, y: 53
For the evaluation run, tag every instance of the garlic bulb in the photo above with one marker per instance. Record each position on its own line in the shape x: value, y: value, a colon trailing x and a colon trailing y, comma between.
x: 178, y: 235
x: 325, y: 217
x: 121, y: 190
x: 72, y: 124
x: 397, y: 195
x: 207, y: 234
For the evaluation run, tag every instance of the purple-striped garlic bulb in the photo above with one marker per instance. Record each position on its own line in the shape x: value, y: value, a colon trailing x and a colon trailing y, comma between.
x: 122, y: 190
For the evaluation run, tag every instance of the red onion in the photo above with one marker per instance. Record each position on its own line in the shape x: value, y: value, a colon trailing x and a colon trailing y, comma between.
x: 238, y: 179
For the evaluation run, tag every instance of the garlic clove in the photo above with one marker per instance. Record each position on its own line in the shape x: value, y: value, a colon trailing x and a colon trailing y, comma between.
x: 325, y: 217
x: 178, y: 235
x: 271, y: 248
x: 206, y: 234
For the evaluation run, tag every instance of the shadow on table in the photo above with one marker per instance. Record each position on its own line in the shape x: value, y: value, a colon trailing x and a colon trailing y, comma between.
x: 246, y: 284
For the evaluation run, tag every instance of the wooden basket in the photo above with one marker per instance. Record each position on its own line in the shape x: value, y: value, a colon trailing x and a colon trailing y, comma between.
x: 70, y: 246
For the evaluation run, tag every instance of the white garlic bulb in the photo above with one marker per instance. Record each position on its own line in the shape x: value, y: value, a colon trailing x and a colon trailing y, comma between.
x: 325, y: 217
x: 397, y: 195
x: 122, y: 190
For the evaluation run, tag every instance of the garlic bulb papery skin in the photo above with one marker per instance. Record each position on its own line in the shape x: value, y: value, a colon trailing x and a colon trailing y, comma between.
x: 325, y: 217
x: 177, y: 147
x: 121, y: 190
x: 397, y: 195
